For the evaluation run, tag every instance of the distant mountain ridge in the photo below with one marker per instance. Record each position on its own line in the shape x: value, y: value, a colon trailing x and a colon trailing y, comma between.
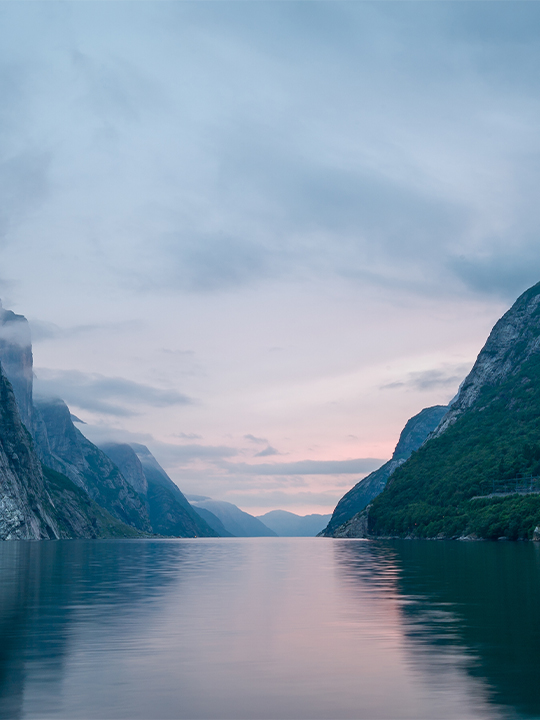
x: 237, y: 522
x: 288, y: 524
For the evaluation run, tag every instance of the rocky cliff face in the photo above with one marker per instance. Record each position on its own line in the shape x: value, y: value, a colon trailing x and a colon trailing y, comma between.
x: 78, y: 516
x: 168, y: 510
x: 37, y: 503
x: 26, y: 509
x: 79, y: 492
x: 513, y: 340
x: 124, y: 457
x: 413, y: 435
x: 67, y: 451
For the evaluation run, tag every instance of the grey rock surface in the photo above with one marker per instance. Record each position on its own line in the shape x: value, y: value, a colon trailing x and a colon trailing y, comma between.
x: 26, y: 508
x: 356, y: 527
x: 67, y: 451
x: 413, y: 435
x: 168, y: 510
x: 125, y: 458
x: 514, y: 338
x: 78, y: 516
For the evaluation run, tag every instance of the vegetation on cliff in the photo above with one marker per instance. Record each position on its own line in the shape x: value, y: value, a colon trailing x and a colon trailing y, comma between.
x: 496, y: 439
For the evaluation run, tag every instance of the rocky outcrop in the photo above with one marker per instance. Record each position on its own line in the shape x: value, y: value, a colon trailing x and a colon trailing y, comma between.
x: 513, y: 340
x: 356, y: 527
x: 78, y: 516
x: 168, y: 510
x: 413, y: 435
x: 65, y: 449
x: 26, y: 509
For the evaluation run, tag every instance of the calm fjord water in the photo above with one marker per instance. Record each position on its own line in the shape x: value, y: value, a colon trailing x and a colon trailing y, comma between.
x: 284, y: 628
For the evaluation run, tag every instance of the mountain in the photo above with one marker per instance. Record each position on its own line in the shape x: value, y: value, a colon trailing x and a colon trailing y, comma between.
x: 65, y: 449
x: 92, y: 499
x: 412, y: 437
x: 488, y: 439
x: 37, y: 503
x: 287, y: 524
x: 236, y: 521
x: 16, y: 357
x: 168, y: 510
x: 78, y: 516
x: 26, y: 508
x: 212, y: 520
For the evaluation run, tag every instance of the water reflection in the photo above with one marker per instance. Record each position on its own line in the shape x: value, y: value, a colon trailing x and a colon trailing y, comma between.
x: 466, y: 608
x: 46, y: 587
x: 266, y: 628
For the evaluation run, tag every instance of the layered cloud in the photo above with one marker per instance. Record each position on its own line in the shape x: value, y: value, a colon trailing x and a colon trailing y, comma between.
x: 427, y: 380
x: 306, y: 467
x: 228, y: 147
x: 114, y: 396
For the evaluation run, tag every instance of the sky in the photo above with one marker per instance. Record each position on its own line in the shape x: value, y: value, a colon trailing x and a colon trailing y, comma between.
x: 259, y: 236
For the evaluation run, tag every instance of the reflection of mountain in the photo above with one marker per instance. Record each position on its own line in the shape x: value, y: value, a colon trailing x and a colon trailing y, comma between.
x: 475, y: 605
x: 44, y: 586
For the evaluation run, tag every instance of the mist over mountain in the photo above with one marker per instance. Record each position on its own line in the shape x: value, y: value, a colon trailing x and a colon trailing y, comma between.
x: 36, y: 502
x: 56, y: 483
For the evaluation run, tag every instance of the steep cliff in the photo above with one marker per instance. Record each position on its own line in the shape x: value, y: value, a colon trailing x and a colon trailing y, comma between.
x: 67, y: 451
x: 26, y: 509
x: 412, y: 437
x: 168, y: 510
x: 78, y: 516
x: 489, y: 437
x: 60, y: 446
x: 514, y: 339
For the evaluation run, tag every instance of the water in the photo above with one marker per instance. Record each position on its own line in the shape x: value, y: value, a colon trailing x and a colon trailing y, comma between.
x: 265, y: 628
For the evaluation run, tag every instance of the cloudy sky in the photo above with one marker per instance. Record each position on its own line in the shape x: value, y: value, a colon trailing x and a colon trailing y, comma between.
x: 259, y: 236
